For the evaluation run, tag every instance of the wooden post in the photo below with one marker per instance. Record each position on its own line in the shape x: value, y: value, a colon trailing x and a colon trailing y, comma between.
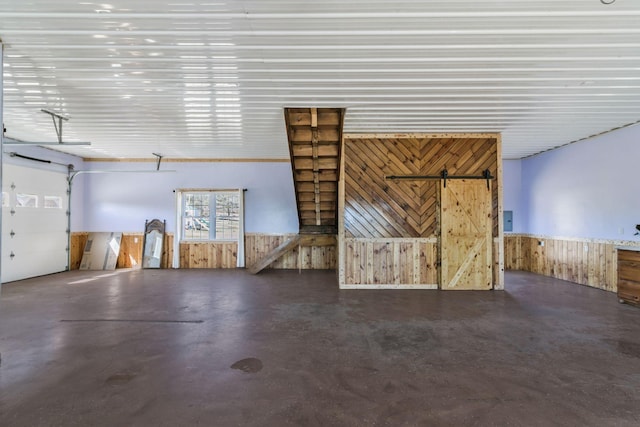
x: 341, y: 232
x: 499, y: 285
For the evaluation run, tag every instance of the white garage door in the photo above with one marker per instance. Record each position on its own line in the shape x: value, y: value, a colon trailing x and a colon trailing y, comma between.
x: 34, y: 222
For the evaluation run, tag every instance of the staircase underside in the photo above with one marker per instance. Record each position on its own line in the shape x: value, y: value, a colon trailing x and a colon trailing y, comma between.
x: 315, y: 136
x: 315, y: 141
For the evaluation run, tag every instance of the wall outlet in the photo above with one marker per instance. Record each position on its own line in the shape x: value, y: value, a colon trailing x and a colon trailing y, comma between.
x: 135, y: 240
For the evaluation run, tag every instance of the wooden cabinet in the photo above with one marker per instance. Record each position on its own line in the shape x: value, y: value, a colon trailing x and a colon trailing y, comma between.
x: 629, y: 276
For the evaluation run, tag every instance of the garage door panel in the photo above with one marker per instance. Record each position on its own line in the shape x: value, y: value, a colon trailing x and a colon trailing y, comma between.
x: 12, y: 269
x: 34, y: 226
x: 37, y: 225
x: 32, y: 243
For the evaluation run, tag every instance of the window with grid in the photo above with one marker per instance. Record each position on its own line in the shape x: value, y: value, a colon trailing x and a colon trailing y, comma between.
x: 210, y: 215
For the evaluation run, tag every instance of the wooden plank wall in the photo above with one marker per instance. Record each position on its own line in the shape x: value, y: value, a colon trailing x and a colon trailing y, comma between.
x: 78, y: 240
x: 381, y: 220
x: 214, y: 255
x: 392, y: 262
x: 590, y: 262
x: 376, y: 207
x: 259, y: 245
x: 208, y: 254
x: 629, y: 276
x: 130, y: 250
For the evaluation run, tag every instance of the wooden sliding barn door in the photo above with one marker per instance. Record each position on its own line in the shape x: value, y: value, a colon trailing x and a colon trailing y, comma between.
x: 465, y: 235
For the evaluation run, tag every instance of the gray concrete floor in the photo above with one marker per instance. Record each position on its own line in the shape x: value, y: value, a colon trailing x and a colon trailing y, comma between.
x: 224, y: 348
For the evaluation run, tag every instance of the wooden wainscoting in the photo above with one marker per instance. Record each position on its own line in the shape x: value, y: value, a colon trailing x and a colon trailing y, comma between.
x: 512, y: 253
x: 130, y: 250
x: 76, y: 248
x: 208, y: 254
x: 389, y: 192
x: 590, y: 262
x: 258, y: 245
x: 387, y: 262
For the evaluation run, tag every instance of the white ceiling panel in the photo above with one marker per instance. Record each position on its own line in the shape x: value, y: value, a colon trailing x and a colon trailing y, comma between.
x: 210, y: 79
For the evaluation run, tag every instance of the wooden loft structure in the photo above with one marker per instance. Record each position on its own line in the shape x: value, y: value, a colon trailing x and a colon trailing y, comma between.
x: 315, y: 140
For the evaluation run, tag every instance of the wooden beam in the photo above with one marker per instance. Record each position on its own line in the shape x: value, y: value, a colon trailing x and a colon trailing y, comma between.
x: 288, y: 123
x: 499, y: 277
x: 341, y: 248
x: 323, y: 150
x: 275, y: 254
x: 187, y: 160
x: 316, y: 163
x: 316, y: 166
x: 317, y: 240
x: 317, y: 229
x: 418, y: 135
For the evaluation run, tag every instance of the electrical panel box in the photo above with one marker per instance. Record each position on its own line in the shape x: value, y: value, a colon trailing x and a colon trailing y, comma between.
x: 508, y: 220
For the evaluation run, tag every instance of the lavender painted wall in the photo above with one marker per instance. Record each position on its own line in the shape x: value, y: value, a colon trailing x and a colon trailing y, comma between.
x: 588, y: 189
x: 512, y: 192
x: 123, y: 201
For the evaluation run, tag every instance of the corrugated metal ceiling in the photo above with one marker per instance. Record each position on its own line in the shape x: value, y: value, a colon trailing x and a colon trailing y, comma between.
x: 209, y: 79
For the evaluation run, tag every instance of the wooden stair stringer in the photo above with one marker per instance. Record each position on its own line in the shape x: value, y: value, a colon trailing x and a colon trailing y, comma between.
x: 285, y: 247
x: 299, y: 240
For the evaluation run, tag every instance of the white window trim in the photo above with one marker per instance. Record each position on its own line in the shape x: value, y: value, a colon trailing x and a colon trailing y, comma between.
x: 178, y: 236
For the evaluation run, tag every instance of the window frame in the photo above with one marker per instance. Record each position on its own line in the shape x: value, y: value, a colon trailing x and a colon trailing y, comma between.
x: 180, y: 230
x: 212, y: 217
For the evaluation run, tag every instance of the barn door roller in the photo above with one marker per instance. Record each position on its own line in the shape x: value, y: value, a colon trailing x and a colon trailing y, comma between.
x: 444, y: 175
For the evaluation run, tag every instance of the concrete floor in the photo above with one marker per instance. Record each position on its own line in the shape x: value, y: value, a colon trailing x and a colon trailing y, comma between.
x: 224, y: 348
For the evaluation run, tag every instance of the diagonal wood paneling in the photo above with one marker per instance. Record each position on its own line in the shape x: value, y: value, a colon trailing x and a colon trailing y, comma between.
x: 315, y: 135
x: 375, y: 207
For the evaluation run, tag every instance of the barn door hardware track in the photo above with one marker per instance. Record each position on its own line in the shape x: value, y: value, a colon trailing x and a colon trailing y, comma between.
x: 444, y: 175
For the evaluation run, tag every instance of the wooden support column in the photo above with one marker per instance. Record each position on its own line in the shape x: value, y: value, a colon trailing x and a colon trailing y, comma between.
x: 316, y: 162
x: 499, y: 263
x: 342, y: 277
